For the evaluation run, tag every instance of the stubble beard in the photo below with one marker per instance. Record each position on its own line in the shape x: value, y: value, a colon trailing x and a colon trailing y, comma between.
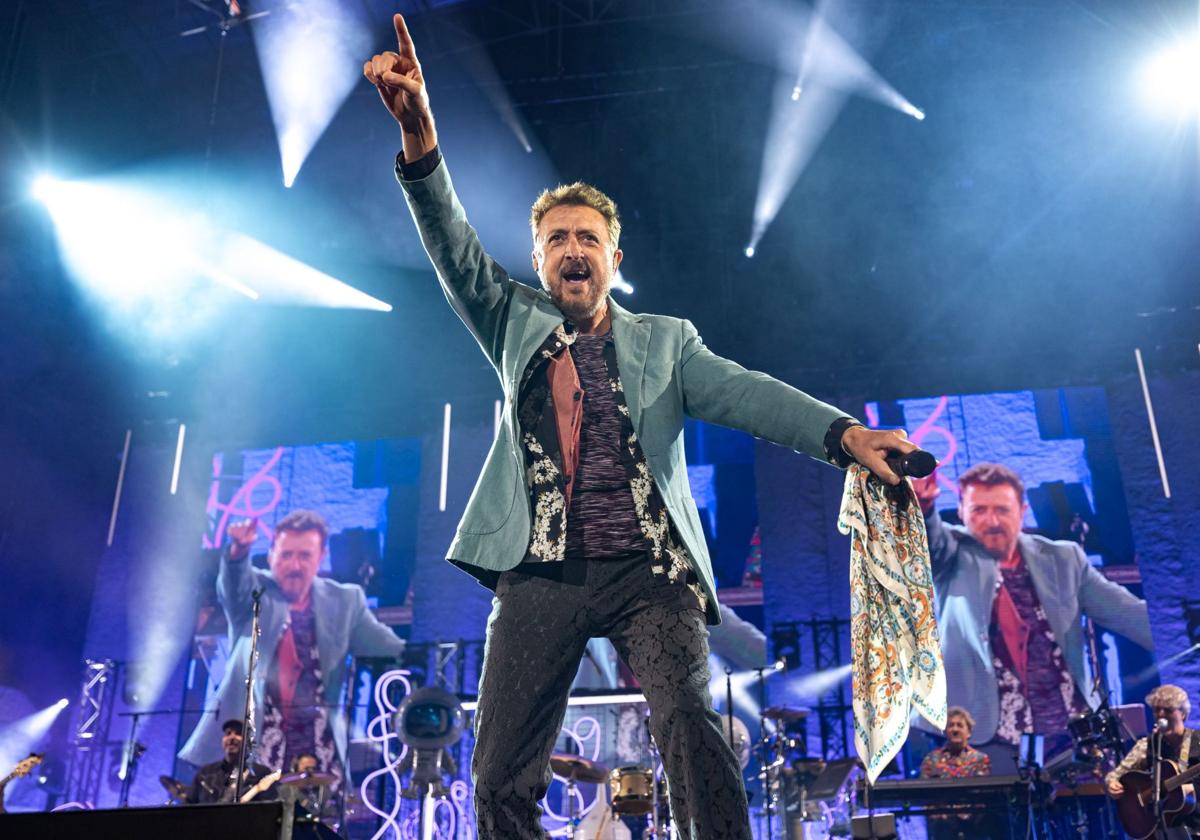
x: 579, y: 309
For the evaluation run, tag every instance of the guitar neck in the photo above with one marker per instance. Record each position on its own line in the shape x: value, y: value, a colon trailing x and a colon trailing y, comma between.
x: 1182, y: 779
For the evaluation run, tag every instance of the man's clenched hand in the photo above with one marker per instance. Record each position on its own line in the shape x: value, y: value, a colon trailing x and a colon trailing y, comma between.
x: 870, y: 447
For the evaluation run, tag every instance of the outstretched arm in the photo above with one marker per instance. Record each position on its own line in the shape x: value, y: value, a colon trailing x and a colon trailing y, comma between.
x: 1113, y: 605
x: 720, y: 391
x: 368, y: 635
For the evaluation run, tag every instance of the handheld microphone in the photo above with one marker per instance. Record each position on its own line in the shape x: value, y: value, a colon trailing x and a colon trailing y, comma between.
x: 1161, y: 725
x: 916, y: 464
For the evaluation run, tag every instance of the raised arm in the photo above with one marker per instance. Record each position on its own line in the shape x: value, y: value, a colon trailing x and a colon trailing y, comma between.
x: 476, y: 286
x: 235, y: 577
x: 401, y: 85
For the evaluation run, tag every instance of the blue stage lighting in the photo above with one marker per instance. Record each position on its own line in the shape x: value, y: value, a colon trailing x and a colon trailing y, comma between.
x: 1170, y: 80
x: 749, y: 252
x: 21, y: 737
x: 310, y: 55
x: 156, y: 259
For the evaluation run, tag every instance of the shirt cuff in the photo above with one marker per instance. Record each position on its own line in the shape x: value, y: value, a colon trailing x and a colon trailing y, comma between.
x: 834, y: 453
x: 419, y: 169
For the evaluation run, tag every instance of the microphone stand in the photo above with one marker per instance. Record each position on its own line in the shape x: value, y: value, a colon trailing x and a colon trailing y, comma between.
x: 729, y: 705
x: 133, y: 753
x: 768, y: 792
x: 1156, y: 740
x: 247, y: 718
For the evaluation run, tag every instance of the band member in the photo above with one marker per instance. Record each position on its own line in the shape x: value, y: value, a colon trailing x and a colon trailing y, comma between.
x: 306, y: 763
x: 1023, y: 596
x: 1180, y: 744
x: 309, y: 624
x: 217, y: 782
x: 582, y: 520
x: 957, y: 759
x: 313, y: 798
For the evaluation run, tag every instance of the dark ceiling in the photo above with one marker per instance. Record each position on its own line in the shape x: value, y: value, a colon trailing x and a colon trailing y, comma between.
x: 1031, y: 231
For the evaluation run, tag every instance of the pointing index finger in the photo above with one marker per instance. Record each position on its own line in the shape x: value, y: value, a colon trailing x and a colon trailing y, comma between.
x: 403, y: 39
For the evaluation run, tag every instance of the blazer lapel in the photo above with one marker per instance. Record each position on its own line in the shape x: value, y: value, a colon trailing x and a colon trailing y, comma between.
x: 544, y: 316
x: 632, y: 337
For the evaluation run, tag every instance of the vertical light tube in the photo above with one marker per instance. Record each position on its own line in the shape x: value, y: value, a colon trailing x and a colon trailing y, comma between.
x: 178, y: 459
x: 1162, y: 467
x: 445, y: 456
x: 112, y: 521
x: 496, y: 420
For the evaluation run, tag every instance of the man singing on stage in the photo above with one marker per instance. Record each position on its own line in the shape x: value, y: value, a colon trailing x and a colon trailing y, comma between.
x: 582, y: 520
x: 309, y: 624
x: 1024, y: 598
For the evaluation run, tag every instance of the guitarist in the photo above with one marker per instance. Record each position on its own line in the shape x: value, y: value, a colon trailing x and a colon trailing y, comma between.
x: 217, y: 782
x: 1179, y: 744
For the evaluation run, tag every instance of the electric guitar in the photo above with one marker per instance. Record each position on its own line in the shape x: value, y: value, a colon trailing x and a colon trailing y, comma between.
x: 261, y: 785
x: 1135, y: 807
x: 24, y: 768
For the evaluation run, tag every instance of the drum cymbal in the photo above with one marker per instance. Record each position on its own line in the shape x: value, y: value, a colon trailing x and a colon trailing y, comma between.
x: 786, y: 712
x: 584, y: 770
x: 176, y: 789
x: 309, y: 779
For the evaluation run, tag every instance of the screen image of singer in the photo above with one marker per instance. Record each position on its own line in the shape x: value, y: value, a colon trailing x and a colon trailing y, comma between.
x: 1038, y: 592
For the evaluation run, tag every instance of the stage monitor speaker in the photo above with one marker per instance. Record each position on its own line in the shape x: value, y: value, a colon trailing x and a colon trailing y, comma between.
x: 252, y: 821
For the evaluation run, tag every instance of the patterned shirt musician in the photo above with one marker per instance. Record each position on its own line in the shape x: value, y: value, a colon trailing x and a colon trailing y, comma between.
x: 944, y: 764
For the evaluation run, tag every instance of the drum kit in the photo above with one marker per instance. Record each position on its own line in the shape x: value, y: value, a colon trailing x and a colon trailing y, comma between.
x: 635, y: 796
x: 783, y: 769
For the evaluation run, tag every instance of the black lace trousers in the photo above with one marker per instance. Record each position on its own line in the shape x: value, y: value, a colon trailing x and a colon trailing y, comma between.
x: 536, y: 636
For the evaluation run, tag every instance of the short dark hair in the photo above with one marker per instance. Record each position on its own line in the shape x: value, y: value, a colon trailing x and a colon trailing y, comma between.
x: 299, y: 521
x: 296, y: 760
x: 233, y: 723
x: 992, y: 475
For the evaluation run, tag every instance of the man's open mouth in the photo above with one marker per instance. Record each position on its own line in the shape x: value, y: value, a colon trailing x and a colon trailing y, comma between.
x: 577, y: 276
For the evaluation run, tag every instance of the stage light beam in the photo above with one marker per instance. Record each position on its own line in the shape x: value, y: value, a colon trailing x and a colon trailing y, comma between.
x: 818, y: 71
x: 310, y: 55
x: 1170, y: 79
x: 22, y: 736
x: 154, y: 259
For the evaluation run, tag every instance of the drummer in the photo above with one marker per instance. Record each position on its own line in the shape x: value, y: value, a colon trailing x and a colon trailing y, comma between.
x: 311, y: 796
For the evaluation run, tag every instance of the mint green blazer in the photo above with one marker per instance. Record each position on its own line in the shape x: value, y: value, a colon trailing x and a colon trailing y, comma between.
x: 666, y: 372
